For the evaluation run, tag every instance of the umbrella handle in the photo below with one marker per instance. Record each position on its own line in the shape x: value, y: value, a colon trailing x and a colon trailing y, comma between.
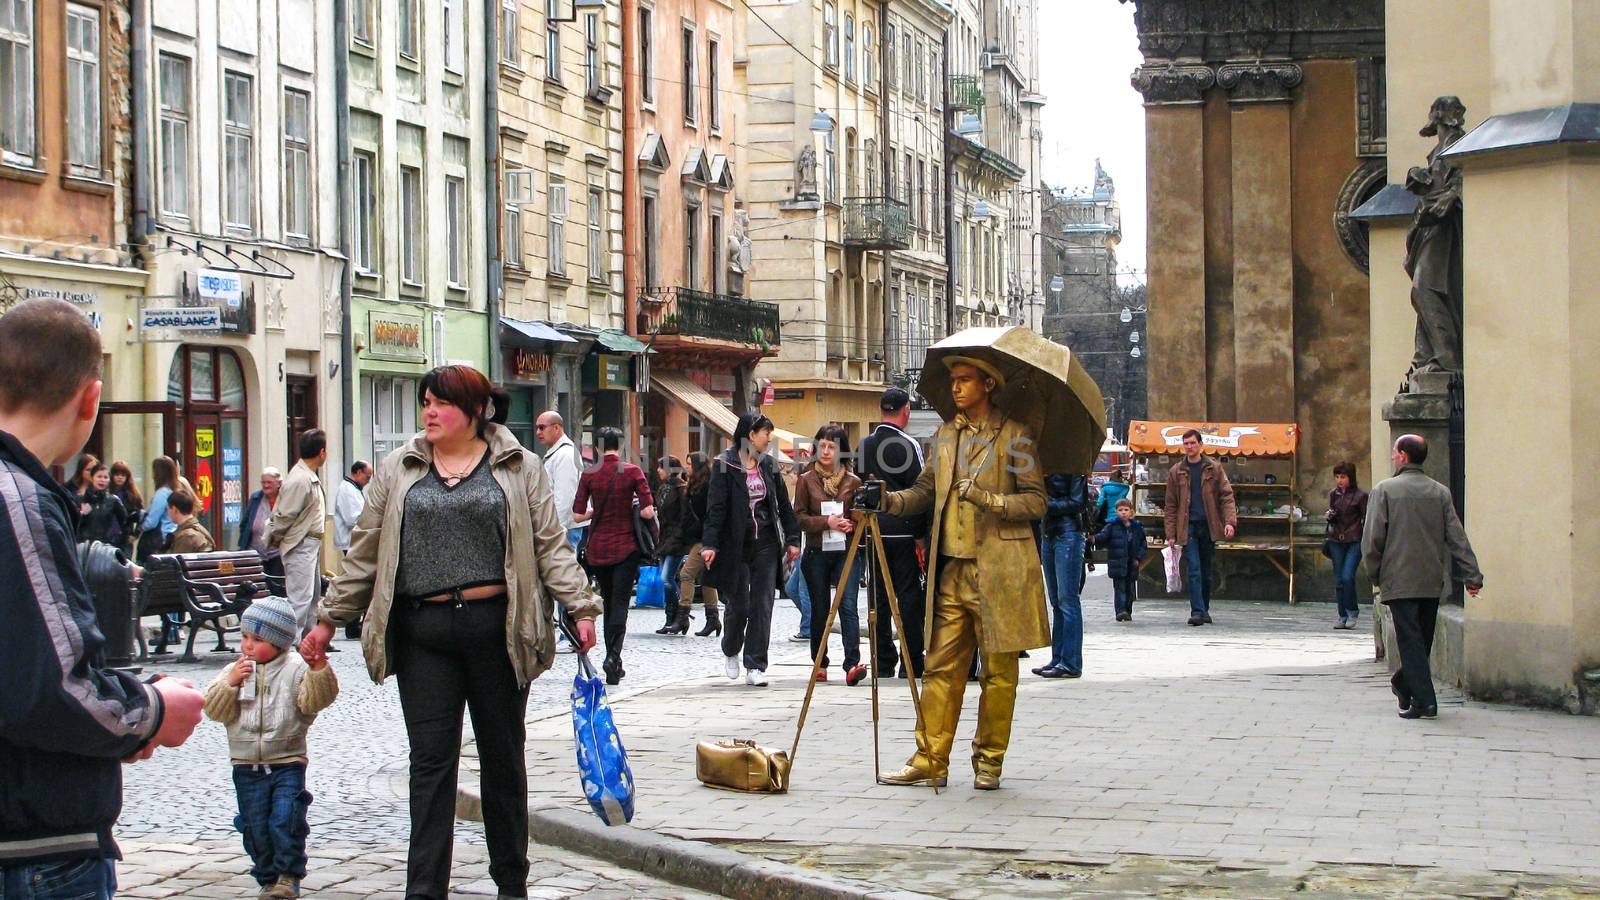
x: 584, y: 666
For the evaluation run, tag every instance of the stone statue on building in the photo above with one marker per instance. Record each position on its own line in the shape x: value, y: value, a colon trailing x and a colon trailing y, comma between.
x: 738, y: 252
x: 805, y: 174
x: 1433, y: 247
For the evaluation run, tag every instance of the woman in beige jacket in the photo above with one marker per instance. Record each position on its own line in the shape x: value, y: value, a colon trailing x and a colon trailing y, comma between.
x: 456, y: 564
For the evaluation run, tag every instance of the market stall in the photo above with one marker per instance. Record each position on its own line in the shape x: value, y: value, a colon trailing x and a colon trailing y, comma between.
x: 1260, y: 461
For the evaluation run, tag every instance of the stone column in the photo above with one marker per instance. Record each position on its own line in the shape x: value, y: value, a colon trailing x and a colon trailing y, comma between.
x: 1175, y: 213
x: 1263, y: 240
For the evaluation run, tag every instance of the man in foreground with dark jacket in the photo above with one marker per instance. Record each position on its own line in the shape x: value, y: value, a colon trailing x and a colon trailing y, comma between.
x: 1414, y: 546
x: 895, y: 458
x: 66, y: 722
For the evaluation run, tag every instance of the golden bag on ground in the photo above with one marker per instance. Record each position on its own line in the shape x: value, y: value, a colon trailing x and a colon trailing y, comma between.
x: 742, y: 766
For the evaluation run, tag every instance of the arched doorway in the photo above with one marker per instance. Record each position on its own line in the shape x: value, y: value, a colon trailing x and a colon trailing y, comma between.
x: 208, y: 388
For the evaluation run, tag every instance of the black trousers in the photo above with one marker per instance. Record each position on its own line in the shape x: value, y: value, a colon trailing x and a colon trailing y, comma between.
x: 450, y: 656
x: 747, y: 617
x: 616, y: 586
x: 907, y: 577
x: 1414, y: 621
x: 822, y: 569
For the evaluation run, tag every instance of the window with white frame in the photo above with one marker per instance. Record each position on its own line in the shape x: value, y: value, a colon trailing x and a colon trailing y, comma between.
x: 394, y: 412
x: 908, y: 59
x: 647, y: 54
x: 17, y: 82
x: 691, y: 244
x: 714, y: 82
x: 412, y: 235
x: 174, y: 105
x: 552, y: 40
x: 917, y: 70
x: 830, y: 159
x: 920, y: 198
x: 556, y: 227
x: 597, y: 235
x: 364, y: 185
x: 409, y: 36
x: 361, y: 21
x: 513, y: 219
x: 83, y: 89
x: 690, y: 86
x: 849, y: 47
x: 454, y: 36
x: 869, y: 56
x: 891, y: 69
x: 591, y: 54
x: 238, y: 152
x: 510, y: 32
x: 455, y: 231
x: 937, y: 209
x: 296, y: 163
x: 830, y: 35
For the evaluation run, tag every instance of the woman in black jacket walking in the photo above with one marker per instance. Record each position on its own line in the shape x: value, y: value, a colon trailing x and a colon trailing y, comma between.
x: 105, y: 517
x: 671, y: 513
x: 750, y: 531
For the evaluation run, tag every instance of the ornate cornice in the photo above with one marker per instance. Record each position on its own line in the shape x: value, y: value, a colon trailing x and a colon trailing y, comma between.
x: 1218, y: 30
x: 1259, y: 82
x: 1173, y: 84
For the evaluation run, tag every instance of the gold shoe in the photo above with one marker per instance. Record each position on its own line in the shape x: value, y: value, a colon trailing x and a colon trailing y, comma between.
x: 913, y: 775
x: 983, y: 781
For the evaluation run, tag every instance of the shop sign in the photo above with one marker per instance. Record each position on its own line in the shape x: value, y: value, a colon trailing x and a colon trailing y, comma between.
x: 786, y: 394
x: 205, y: 448
x: 232, y: 485
x: 225, y: 286
x: 395, y: 336
x: 613, y: 372
x: 527, y: 365
x: 81, y: 298
x: 180, y: 318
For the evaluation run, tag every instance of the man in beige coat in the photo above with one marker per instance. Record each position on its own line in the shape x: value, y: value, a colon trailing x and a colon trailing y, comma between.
x: 984, y: 488
x: 296, y: 524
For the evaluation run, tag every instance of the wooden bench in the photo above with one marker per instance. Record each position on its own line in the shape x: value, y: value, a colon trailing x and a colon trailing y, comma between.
x: 204, y: 586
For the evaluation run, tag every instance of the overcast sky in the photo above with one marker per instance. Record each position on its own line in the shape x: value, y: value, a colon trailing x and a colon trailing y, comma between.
x: 1087, y: 51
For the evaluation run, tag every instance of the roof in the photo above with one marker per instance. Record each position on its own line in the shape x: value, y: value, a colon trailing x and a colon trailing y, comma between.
x: 617, y: 342
x: 1217, y: 438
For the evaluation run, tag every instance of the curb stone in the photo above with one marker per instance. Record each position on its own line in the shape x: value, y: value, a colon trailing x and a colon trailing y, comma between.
x: 693, y: 864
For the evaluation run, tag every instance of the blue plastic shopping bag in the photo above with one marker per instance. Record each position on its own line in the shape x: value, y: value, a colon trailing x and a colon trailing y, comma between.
x: 602, y: 761
x: 652, y: 590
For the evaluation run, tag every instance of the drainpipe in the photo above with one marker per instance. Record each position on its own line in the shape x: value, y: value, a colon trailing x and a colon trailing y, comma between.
x: 491, y: 186
x: 883, y: 141
x: 949, y: 210
x: 341, y: 103
x: 632, y: 95
x: 139, y: 103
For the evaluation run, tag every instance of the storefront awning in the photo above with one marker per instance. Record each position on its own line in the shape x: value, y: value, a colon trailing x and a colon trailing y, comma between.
x: 617, y: 342
x: 1217, y: 438
x: 710, y: 410
x: 516, y: 331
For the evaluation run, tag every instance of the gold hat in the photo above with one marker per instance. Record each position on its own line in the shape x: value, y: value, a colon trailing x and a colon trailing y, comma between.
x: 981, y: 365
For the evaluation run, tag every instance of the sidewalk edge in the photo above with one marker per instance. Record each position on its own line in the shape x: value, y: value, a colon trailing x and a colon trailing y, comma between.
x: 693, y: 864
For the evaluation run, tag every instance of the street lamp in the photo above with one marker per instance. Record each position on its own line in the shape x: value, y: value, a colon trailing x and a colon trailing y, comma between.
x: 969, y: 125
x: 1057, y: 283
x: 1134, y: 337
x: 1135, y: 352
x: 980, y: 210
x: 1127, y: 314
x: 822, y: 123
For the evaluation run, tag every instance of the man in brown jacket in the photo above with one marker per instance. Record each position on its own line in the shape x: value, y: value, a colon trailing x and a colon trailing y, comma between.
x: 190, y: 536
x: 1199, y: 505
x: 984, y: 488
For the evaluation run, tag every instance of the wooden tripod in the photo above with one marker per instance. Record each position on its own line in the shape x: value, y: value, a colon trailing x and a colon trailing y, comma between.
x: 866, y: 525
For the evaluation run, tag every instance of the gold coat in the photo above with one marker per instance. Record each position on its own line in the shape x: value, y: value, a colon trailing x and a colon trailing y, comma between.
x: 1013, y: 611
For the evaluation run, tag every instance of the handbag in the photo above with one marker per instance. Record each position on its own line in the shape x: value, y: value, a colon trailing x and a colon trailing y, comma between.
x: 603, y: 768
x: 742, y: 766
x: 646, y: 534
x: 652, y: 590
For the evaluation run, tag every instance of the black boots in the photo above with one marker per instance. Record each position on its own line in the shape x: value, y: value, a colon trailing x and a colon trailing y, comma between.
x: 713, y: 623
x: 679, y: 623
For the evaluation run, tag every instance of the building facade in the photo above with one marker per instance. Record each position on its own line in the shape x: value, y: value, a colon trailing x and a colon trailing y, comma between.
x: 560, y: 189
x: 688, y: 265
x: 917, y: 98
x: 1027, y: 222
x: 821, y: 219
x: 417, y: 177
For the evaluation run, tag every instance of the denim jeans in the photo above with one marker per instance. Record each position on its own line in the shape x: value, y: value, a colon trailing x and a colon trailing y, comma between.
x: 86, y: 878
x: 1063, y: 579
x: 800, y: 596
x: 1197, y: 556
x: 822, y: 570
x: 670, y: 567
x: 1125, y: 591
x: 272, y: 819
x: 1346, y: 559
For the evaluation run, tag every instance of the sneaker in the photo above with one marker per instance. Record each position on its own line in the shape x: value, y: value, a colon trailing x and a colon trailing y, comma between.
x: 822, y: 675
x: 799, y: 638
x: 755, y: 678
x: 730, y: 667
x: 285, y: 888
x: 855, y: 674
x: 1344, y: 624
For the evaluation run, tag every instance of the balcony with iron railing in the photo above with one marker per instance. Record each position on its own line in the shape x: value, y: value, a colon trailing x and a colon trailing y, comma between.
x: 876, y: 223
x: 684, y: 313
x: 966, y: 92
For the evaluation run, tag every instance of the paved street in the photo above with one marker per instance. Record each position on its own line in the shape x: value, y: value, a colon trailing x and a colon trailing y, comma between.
x: 1267, y: 743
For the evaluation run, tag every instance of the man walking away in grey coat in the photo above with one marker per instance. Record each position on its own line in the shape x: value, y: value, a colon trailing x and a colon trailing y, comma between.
x: 1413, y: 546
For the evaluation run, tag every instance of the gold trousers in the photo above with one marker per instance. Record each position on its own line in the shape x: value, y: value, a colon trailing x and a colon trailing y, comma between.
x: 956, y: 627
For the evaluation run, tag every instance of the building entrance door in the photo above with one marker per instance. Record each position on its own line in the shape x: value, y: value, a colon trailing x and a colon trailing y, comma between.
x: 302, y: 407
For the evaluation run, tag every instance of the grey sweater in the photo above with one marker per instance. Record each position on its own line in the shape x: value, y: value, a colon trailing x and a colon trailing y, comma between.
x: 452, y: 537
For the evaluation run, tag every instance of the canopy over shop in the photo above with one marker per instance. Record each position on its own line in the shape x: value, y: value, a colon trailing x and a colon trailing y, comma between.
x: 1264, y: 490
x: 712, y: 412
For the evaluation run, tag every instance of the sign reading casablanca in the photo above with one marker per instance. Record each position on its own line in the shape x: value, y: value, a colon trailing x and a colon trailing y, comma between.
x: 395, y: 336
x: 180, y: 318
x: 1242, y: 439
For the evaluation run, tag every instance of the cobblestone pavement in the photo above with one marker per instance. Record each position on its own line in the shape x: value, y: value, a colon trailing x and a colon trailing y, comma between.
x: 358, y: 746
x: 155, y: 868
x: 1267, y: 743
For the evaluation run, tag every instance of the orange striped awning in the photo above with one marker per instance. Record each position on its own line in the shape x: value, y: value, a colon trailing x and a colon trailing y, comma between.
x: 1217, y: 438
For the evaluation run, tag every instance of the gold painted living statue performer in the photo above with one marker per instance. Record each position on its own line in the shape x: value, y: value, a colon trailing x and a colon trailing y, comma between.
x: 984, y: 487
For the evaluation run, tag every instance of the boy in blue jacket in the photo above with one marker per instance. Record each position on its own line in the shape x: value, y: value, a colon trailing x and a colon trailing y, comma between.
x: 67, y: 722
x: 1123, y: 538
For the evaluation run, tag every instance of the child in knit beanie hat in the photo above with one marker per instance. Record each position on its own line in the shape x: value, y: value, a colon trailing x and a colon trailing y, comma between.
x: 268, y: 698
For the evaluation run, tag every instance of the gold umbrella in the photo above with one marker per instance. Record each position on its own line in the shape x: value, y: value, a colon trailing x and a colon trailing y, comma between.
x: 1046, y: 388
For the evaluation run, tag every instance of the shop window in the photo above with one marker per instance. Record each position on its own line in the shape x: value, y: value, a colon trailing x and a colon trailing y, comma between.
x: 392, y: 412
